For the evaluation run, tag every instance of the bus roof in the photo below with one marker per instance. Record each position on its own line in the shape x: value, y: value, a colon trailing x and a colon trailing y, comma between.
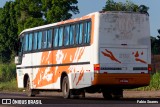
x: 59, y: 23
x: 73, y: 20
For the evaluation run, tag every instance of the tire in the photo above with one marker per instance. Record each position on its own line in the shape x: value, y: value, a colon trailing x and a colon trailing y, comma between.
x: 107, y: 95
x: 65, y: 88
x: 83, y: 94
x: 112, y: 94
x: 77, y: 93
x: 118, y: 94
x: 29, y: 91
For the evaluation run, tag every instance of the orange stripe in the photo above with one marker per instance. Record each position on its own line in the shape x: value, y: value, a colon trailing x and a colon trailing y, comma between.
x: 114, y: 79
x: 137, y: 57
x: 74, y: 20
x: 110, y: 55
x: 140, y: 60
x: 64, y: 56
x: 92, y: 28
x: 80, y: 76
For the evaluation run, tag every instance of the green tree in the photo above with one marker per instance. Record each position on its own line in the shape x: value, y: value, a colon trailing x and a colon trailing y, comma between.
x: 8, y: 31
x: 114, y: 6
x: 1, y: 10
x: 31, y: 13
x: 154, y: 45
x: 28, y: 14
x: 18, y: 15
x: 58, y: 10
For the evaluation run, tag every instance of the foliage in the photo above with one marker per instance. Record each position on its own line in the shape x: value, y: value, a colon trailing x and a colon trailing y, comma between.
x: 8, y: 32
x: 113, y: 6
x: 28, y: 12
x: 31, y: 13
x: 155, y: 44
x: 58, y: 10
x: 9, y: 86
x: 18, y: 15
x: 154, y: 83
x: 7, y: 72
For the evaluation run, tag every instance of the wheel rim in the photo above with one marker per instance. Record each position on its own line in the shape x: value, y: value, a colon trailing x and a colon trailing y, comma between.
x: 65, y: 88
x: 28, y: 86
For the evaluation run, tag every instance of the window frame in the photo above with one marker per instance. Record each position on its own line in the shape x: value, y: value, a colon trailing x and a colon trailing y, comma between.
x: 52, y: 28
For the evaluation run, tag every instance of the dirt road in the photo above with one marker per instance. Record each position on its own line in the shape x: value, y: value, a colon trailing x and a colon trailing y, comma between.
x: 91, y: 100
x: 126, y: 94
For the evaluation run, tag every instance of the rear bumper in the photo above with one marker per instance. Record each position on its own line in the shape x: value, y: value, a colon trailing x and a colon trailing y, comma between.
x: 121, y: 79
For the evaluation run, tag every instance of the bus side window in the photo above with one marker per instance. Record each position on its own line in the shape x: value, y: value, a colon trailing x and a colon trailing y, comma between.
x: 35, y: 40
x: 44, y: 39
x: 55, y: 43
x: 77, y: 33
x: 87, y: 28
x: 49, y: 37
x: 72, y: 34
x: 88, y: 31
x: 60, y: 36
x: 30, y: 42
x: 23, y: 43
x: 39, y: 40
x: 26, y: 42
x: 66, y: 35
x: 85, y: 32
x: 80, y: 33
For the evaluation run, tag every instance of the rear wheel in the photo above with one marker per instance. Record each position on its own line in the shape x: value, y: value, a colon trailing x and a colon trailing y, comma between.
x: 112, y: 94
x: 77, y: 93
x: 30, y: 92
x: 106, y: 94
x: 65, y: 88
x: 83, y: 94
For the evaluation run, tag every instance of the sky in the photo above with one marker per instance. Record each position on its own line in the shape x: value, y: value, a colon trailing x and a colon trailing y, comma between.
x: 89, y: 6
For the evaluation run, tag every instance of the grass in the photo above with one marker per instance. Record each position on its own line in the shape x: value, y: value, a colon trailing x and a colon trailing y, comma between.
x: 154, y: 83
x: 7, y: 72
x: 9, y: 86
x: 8, y: 80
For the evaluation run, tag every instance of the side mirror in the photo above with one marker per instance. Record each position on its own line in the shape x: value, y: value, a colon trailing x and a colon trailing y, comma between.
x: 18, y: 60
x: 17, y: 46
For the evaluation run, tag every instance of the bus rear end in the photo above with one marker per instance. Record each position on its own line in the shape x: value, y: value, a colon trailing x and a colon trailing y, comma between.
x: 124, y: 52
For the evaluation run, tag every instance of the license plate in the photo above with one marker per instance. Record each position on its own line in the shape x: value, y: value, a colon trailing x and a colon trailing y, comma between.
x: 123, y: 81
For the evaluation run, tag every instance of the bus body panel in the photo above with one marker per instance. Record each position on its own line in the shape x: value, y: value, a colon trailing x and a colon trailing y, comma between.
x: 124, y: 60
x: 48, y: 67
x: 121, y: 80
x: 124, y: 49
x: 119, y: 43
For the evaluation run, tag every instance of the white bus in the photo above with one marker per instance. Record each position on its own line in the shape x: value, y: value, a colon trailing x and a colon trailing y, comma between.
x: 100, y: 52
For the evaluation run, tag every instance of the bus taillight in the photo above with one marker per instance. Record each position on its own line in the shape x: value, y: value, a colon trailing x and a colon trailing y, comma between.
x: 96, y: 68
x: 149, y: 68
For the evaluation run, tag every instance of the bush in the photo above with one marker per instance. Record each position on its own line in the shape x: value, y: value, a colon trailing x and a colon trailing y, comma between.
x: 9, y: 86
x: 154, y: 83
x: 7, y: 72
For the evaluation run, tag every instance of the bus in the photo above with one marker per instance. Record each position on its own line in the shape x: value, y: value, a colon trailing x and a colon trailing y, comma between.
x: 103, y: 52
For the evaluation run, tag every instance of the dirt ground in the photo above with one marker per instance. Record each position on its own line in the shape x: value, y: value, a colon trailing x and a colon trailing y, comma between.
x: 126, y: 94
x: 141, y: 94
